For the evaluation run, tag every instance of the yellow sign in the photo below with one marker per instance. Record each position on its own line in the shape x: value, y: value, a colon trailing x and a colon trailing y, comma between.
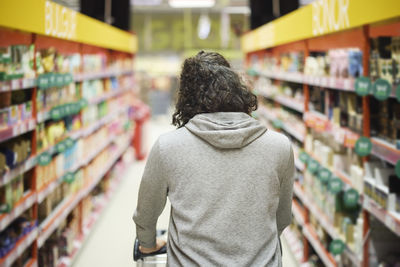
x: 48, y: 18
x: 320, y: 18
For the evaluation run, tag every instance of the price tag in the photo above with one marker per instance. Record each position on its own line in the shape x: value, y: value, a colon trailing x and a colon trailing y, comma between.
x: 69, y: 142
x: 60, y: 147
x: 363, y: 146
x: 59, y: 79
x: 277, y: 124
x: 351, y: 198
x: 335, y: 185
x: 381, y: 89
x: 44, y: 159
x: 336, y: 247
x: 363, y: 86
x: 312, y: 166
x: 43, y: 81
x: 52, y: 80
x: 56, y: 113
x: 324, y: 175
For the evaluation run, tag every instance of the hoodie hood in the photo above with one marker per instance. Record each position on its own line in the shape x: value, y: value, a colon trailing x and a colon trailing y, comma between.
x: 226, y: 129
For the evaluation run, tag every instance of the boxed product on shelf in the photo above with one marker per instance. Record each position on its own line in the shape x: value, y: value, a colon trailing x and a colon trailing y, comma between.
x: 14, y: 152
x: 16, y: 61
x: 385, y: 59
x: 385, y: 119
x: 18, y: 229
x: 339, y: 63
x: 15, y: 106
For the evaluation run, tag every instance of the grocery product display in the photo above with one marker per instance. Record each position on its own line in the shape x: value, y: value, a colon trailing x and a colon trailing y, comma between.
x: 336, y: 97
x: 67, y: 113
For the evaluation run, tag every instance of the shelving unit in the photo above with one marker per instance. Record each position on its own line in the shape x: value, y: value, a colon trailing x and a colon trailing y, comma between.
x: 297, y: 37
x: 85, y: 39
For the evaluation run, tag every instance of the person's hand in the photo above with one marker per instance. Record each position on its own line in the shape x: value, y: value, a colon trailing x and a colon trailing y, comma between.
x: 159, y: 244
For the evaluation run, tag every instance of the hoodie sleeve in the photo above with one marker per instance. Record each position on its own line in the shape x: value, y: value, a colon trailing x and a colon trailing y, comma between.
x: 152, y: 198
x: 284, y: 212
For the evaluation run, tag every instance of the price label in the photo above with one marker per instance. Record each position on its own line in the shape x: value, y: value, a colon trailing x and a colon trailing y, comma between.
x: 52, y: 80
x: 277, y: 124
x: 59, y: 79
x: 363, y: 146
x: 351, y: 198
x: 69, y: 178
x: 335, y: 185
x: 44, y: 159
x: 363, y: 86
x: 43, y: 81
x: 69, y: 142
x: 56, y: 113
x: 60, y: 147
x: 324, y: 175
x: 336, y: 247
x: 381, y: 89
x: 313, y: 166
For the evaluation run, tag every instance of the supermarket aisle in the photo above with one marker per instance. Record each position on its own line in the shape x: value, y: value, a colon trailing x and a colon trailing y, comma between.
x: 110, y: 243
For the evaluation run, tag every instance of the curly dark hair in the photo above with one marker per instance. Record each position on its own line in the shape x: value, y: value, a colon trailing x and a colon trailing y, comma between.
x: 208, y: 84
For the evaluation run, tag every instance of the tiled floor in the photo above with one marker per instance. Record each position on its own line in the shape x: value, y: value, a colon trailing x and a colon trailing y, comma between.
x: 111, y: 241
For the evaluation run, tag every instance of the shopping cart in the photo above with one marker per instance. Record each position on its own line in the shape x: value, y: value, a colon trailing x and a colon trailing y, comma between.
x: 155, y: 259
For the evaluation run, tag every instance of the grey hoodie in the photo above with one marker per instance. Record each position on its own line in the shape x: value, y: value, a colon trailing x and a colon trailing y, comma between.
x: 229, y: 181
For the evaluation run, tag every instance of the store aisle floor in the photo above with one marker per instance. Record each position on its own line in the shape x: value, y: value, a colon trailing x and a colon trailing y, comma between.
x: 111, y: 241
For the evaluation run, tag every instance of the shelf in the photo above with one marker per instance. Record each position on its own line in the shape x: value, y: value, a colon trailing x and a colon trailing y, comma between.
x: 43, y: 193
x: 24, y: 167
x: 18, y: 129
x: 321, y: 123
x: 19, y: 248
x: 323, y: 254
x: 286, y: 127
x: 31, y: 263
x: 17, y: 84
x: 391, y: 222
x: 58, y: 215
x: 384, y: 150
x: 57, y: 21
x: 100, y: 75
x: 323, y: 220
x: 106, y: 96
x: 290, y: 103
x: 309, y: 22
x: 25, y: 203
x: 97, y: 124
x: 88, y: 225
x: 342, y: 175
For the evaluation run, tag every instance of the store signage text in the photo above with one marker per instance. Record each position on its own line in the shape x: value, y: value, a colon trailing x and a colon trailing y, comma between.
x: 59, y: 21
x: 330, y: 15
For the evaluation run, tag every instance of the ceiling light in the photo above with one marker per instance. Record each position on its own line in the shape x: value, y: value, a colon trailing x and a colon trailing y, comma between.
x: 146, y: 2
x: 236, y: 10
x: 191, y: 3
